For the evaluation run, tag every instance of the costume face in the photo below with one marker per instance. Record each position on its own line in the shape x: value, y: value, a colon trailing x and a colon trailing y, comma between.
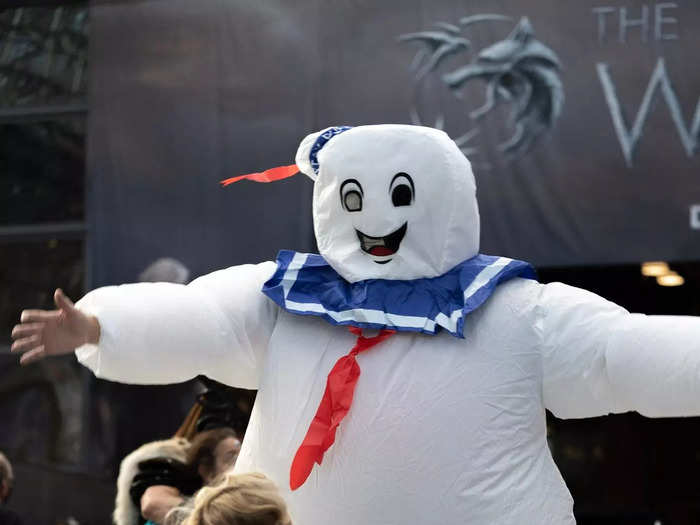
x: 393, y: 202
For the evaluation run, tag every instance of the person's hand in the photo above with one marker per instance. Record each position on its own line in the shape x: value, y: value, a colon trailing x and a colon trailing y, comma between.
x: 42, y: 333
x: 158, y: 500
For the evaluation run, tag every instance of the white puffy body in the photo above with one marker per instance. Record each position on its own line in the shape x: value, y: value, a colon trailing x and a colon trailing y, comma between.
x: 441, y: 429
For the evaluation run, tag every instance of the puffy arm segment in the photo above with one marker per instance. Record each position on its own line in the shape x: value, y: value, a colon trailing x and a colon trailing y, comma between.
x: 597, y: 358
x: 155, y: 333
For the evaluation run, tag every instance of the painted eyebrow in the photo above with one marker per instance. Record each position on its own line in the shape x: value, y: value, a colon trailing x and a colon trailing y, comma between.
x: 348, y: 181
x: 410, y: 181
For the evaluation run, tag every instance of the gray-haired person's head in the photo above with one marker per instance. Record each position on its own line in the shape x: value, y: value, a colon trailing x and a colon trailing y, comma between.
x: 166, y: 270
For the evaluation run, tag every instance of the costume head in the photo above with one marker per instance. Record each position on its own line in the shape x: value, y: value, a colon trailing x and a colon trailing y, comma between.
x: 390, y: 201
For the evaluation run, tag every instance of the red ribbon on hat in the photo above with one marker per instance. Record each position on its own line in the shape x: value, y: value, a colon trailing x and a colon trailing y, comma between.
x: 271, y: 175
x: 334, y: 406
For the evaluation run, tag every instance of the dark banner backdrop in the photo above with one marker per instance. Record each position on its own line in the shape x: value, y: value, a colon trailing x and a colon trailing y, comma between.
x: 587, y: 153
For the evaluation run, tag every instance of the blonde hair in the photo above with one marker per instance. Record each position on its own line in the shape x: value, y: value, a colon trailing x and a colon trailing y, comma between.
x: 243, y: 499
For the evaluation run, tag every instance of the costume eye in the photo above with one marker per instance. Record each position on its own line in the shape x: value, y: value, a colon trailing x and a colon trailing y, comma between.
x: 402, y: 190
x: 351, y: 195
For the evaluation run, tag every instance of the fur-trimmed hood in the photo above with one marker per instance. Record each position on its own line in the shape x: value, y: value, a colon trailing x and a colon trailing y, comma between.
x: 125, y: 512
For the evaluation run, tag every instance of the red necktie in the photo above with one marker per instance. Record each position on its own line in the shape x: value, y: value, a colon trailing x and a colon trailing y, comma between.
x: 335, y: 404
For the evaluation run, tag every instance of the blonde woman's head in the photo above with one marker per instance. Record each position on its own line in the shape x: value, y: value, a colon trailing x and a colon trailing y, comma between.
x: 244, y: 499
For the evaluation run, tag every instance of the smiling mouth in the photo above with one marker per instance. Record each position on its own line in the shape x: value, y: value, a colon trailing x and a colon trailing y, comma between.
x: 382, y: 246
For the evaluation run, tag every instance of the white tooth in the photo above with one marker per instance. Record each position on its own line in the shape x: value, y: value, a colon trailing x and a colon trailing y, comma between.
x: 370, y: 243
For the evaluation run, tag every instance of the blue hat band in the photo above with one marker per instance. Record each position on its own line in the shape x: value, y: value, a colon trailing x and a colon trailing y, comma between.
x: 321, y: 141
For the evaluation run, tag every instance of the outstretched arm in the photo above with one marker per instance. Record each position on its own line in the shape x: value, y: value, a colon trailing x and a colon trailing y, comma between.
x: 218, y: 325
x: 598, y: 358
x: 44, y: 333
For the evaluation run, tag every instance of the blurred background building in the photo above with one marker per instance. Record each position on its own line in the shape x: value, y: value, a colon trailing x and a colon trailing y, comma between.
x: 118, y: 118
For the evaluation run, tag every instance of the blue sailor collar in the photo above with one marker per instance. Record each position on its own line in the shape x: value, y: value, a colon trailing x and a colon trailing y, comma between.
x: 306, y: 284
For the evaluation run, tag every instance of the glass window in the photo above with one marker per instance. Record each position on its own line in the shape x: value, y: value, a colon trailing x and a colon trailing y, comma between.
x: 43, y: 55
x: 31, y: 271
x: 43, y: 66
x: 42, y: 167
